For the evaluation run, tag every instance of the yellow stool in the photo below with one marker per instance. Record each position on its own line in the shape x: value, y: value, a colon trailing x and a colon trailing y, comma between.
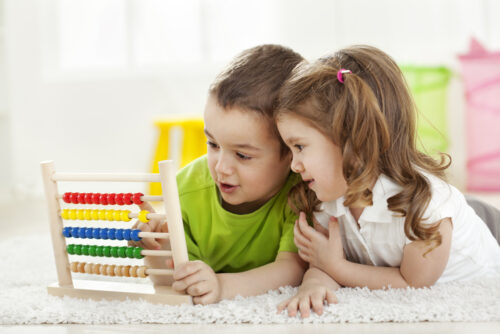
x: 180, y: 139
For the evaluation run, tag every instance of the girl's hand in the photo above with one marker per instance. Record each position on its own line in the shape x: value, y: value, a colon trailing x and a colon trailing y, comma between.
x: 310, y: 295
x: 154, y: 225
x: 320, y: 249
x: 199, y: 280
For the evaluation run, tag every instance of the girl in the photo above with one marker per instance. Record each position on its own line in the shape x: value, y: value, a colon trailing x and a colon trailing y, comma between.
x: 391, y: 218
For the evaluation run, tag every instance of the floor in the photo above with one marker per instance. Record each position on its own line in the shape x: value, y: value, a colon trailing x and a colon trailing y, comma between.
x: 29, y: 216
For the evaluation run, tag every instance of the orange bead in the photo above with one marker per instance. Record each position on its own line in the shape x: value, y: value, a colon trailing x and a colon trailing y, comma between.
x: 133, y: 271
x: 111, y: 270
x: 104, y: 269
x: 81, y: 267
x: 74, y: 266
x: 141, y: 272
x: 96, y: 269
x: 126, y: 271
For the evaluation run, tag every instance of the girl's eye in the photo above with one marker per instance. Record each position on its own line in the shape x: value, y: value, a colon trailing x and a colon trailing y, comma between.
x: 212, y: 144
x: 243, y: 156
x: 299, y: 147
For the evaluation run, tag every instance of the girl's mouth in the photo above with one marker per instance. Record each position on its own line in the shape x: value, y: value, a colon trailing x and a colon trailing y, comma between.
x: 309, y: 182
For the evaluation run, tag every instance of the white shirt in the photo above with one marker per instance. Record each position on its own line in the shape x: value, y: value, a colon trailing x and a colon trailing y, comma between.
x: 380, y: 238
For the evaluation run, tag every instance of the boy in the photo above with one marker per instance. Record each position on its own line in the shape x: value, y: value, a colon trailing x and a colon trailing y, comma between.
x: 238, y: 226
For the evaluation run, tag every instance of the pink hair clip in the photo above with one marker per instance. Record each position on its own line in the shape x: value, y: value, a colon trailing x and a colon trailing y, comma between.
x: 340, y: 72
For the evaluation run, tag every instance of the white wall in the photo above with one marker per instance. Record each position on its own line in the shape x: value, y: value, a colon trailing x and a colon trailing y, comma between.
x: 103, y: 120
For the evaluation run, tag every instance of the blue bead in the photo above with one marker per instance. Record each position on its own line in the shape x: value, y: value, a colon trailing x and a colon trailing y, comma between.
x: 119, y: 234
x: 112, y: 233
x: 88, y: 233
x: 104, y: 233
x: 74, y: 232
x: 81, y: 232
x: 135, y: 235
x: 126, y: 234
x: 96, y: 233
x: 67, y: 232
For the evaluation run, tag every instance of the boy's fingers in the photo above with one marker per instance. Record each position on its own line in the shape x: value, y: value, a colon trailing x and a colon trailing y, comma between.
x: 206, y: 299
x: 187, y: 269
x: 146, y: 206
x: 170, y: 263
x: 200, y: 288
x: 164, y: 227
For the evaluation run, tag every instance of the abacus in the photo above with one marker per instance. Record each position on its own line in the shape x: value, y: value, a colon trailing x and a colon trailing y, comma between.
x: 90, y: 288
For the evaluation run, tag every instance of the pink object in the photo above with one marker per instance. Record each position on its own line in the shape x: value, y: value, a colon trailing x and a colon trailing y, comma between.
x: 340, y: 72
x: 481, y: 75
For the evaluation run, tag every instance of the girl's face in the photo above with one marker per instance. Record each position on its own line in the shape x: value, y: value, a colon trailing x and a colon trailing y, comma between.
x: 315, y: 157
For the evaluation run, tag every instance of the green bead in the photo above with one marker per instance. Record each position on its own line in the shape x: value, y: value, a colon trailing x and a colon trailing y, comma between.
x: 114, y: 251
x: 122, y: 251
x: 70, y: 249
x: 137, y: 253
x: 85, y: 249
x: 106, y: 251
x: 130, y: 252
x: 77, y: 249
x: 92, y: 250
x: 99, y: 250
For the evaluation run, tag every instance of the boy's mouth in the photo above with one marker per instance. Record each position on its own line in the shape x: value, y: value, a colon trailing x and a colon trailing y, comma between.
x: 227, y: 188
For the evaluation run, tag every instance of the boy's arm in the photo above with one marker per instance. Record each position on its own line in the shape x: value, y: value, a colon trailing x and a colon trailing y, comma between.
x: 199, y: 280
x: 287, y: 269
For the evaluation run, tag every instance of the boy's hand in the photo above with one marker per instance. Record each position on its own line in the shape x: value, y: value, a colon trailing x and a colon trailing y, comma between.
x: 154, y: 225
x: 320, y: 249
x: 310, y: 295
x: 198, y: 280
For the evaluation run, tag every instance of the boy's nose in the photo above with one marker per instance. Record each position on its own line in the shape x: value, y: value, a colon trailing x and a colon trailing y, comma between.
x: 223, y: 166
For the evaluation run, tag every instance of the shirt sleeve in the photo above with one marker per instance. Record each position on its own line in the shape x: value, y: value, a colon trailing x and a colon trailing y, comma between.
x: 443, y: 204
x: 286, y: 242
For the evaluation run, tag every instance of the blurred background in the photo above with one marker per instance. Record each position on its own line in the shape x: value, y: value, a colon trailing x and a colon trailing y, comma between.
x: 92, y: 84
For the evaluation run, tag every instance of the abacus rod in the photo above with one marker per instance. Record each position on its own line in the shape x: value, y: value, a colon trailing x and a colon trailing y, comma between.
x: 161, y: 272
x: 150, y: 252
x: 145, y: 198
x: 131, y: 215
x: 155, y: 235
x: 107, y: 177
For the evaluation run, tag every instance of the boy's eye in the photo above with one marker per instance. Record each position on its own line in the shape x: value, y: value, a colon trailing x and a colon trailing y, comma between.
x: 212, y: 144
x: 243, y: 156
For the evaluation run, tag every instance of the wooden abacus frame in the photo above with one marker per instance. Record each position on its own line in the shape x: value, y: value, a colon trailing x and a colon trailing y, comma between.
x: 93, y: 289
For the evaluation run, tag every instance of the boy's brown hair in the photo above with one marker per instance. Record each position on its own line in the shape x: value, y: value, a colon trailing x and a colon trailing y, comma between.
x: 253, y: 79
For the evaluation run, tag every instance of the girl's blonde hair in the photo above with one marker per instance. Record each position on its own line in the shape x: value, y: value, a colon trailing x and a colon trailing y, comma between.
x: 372, y: 118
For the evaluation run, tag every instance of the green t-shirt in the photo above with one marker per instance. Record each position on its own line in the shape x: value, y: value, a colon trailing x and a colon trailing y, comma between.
x: 230, y: 242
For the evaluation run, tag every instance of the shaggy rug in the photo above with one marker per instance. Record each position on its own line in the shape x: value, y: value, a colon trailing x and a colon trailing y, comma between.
x: 28, y: 267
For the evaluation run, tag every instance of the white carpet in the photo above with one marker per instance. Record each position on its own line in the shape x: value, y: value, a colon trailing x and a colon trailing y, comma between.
x: 28, y: 267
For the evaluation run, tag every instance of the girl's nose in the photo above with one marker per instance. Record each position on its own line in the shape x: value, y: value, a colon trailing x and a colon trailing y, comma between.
x: 297, y: 166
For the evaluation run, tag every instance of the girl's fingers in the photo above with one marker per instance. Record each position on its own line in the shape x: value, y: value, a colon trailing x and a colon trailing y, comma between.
x: 317, y: 303
x: 331, y: 298
x: 299, y: 236
x: 293, y: 306
x: 321, y: 229
x: 305, y: 307
x: 306, y: 230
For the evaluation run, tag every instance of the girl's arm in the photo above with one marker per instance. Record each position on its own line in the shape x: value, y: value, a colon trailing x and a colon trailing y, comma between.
x: 415, y: 270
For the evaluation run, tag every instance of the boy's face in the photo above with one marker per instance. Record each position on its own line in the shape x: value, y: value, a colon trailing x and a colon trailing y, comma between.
x: 243, y: 157
x: 315, y: 157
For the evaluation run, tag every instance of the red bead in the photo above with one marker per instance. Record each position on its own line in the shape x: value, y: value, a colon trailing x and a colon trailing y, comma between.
x: 137, y: 198
x: 127, y: 198
x: 88, y: 198
x: 74, y: 198
x: 111, y: 199
x: 96, y: 198
x: 81, y: 198
x: 119, y: 199
x: 104, y: 199
x: 67, y: 197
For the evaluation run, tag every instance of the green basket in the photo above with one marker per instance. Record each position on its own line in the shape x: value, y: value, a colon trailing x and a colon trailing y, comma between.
x: 429, y: 89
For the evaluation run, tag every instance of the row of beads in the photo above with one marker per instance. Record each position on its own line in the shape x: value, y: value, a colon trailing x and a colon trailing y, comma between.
x: 89, y: 214
x: 108, y: 269
x: 107, y: 251
x: 103, y: 199
x: 101, y: 233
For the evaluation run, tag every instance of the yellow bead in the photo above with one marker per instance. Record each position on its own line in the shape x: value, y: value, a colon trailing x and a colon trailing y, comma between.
x: 72, y: 214
x: 64, y: 214
x: 125, y: 215
x: 94, y: 214
x: 87, y: 214
x: 117, y: 215
x: 143, y: 216
x: 102, y: 214
x: 79, y: 215
x: 109, y: 215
